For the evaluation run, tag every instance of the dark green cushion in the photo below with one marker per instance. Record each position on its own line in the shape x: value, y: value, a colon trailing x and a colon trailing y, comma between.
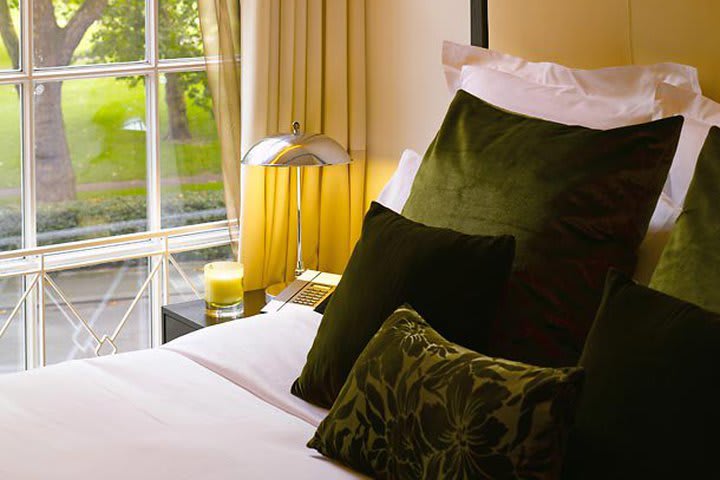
x: 418, y: 406
x: 577, y: 200
x: 454, y: 280
x: 650, y: 404
x: 690, y: 264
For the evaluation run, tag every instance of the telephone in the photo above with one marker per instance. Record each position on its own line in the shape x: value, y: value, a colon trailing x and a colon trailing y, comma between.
x: 307, y: 291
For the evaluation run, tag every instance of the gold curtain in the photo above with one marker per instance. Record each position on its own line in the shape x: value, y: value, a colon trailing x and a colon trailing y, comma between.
x: 220, y: 23
x: 303, y: 60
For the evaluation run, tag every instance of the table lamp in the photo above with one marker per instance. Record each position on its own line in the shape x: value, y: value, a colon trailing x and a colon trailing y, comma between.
x: 297, y: 149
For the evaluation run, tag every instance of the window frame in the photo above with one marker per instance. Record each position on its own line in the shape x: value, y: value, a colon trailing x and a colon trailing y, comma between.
x: 156, y: 244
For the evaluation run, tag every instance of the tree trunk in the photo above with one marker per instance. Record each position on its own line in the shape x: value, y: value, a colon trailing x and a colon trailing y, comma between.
x: 9, y: 34
x: 54, y: 46
x: 55, y: 178
x: 177, y: 109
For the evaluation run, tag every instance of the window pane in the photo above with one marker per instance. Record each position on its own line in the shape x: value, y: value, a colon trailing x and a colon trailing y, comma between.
x: 82, y: 32
x: 179, y: 29
x: 10, y: 35
x: 190, y: 166
x: 12, y: 343
x: 10, y: 179
x: 101, y: 295
x: 90, y: 158
x: 192, y: 264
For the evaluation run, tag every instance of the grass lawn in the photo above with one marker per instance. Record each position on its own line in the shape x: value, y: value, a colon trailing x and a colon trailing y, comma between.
x: 100, y: 115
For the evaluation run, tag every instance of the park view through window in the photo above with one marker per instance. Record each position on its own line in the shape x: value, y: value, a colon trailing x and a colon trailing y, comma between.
x: 91, y: 134
x: 107, y: 128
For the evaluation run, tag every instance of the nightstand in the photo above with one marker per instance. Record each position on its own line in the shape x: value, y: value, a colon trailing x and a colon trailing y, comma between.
x: 179, y: 319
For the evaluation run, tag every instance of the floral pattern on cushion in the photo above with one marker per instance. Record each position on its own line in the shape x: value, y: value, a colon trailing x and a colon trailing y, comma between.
x: 417, y: 406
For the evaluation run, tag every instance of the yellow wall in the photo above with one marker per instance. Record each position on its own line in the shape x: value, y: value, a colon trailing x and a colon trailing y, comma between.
x: 593, y: 33
x: 580, y: 33
x: 685, y: 31
x: 407, y: 96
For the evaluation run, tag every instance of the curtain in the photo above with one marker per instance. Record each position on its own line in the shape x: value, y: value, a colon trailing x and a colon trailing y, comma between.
x: 220, y: 24
x: 303, y: 60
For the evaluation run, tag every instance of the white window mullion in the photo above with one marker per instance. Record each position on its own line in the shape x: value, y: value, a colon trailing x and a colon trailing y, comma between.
x: 34, y: 354
x: 152, y: 95
x: 154, y: 210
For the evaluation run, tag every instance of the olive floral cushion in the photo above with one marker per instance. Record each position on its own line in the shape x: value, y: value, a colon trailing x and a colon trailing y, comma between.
x: 418, y: 406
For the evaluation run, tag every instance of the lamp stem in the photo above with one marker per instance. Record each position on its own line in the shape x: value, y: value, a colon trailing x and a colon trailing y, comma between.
x: 300, y: 267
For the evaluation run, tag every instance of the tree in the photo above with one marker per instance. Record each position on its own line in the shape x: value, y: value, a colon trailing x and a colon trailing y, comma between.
x: 54, y: 46
x: 179, y: 37
x: 119, y: 36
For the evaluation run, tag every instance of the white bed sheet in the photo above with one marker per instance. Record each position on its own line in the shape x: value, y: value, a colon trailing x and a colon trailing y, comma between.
x: 263, y: 354
x: 150, y: 414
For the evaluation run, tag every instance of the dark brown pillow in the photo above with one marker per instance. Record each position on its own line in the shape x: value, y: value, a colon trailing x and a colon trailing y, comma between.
x: 455, y: 281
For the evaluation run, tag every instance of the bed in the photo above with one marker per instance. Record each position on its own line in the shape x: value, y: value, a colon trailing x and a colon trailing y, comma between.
x: 213, y: 405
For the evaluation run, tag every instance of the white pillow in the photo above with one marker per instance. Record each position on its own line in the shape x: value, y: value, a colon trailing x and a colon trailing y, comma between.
x: 560, y: 104
x: 658, y: 234
x: 626, y: 81
x: 700, y: 114
x: 397, y: 190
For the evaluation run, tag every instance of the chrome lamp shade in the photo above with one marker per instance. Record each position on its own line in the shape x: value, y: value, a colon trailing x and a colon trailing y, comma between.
x: 297, y: 149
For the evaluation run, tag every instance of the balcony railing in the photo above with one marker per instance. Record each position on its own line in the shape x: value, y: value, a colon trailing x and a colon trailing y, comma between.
x: 150, y: 260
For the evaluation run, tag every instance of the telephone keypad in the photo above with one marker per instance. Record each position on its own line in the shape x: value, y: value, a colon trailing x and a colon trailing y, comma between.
x: 312, y: 295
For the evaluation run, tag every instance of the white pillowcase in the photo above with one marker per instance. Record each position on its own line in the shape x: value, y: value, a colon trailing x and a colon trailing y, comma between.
x: 625, y: 81
x: 560, y: 104
x: 658, y: 234
x: 700, y: 114
x: 397, y: 190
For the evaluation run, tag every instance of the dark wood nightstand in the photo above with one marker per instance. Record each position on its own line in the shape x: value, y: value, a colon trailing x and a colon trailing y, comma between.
x: 182, y: 318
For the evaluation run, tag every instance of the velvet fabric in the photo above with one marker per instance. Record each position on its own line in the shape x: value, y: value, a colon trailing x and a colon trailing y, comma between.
x: 690, y: 264
x: 417, y: 406
x: 454, y: 280
x: 577, y: 200
x: 649, y: 408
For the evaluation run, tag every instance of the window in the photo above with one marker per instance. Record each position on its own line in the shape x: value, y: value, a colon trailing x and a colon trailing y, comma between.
x: 110, y: 183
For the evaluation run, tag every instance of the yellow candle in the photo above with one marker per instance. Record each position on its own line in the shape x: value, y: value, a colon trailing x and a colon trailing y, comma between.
x: 223, y: 283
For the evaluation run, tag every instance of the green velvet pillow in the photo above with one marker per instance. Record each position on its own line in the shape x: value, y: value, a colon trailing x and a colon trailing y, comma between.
x: 577, y: 200
x: 418, y: 406
x: 650, y: 403
x: 690, y: 264
x: 454, y: 280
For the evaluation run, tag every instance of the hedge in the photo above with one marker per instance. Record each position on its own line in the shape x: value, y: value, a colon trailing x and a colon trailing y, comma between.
x: 80, y: 220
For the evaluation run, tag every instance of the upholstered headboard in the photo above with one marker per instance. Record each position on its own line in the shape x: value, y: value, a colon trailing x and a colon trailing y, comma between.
x: 593, y: 33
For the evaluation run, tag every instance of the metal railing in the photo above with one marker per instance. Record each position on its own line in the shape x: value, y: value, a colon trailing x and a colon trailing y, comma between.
x: 35, y: 266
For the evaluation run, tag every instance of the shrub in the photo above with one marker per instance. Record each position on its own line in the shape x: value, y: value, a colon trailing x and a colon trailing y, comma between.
x: 101, y: 217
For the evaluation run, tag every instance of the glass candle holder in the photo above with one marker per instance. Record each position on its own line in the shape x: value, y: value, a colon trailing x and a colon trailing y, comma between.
x: 224, y: 289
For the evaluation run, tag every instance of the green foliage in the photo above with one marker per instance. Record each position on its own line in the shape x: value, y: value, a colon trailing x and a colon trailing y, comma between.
x: 120, y: 34
x: 179, y: 36
x: 104, y: 212
x: 65, y: 9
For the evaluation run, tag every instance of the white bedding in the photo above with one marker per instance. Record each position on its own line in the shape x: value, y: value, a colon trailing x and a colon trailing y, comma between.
x: 165, y: 414
x: 263, y: 354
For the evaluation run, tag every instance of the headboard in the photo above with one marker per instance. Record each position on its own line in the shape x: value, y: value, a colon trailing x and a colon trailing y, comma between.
x: 593, y: 33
